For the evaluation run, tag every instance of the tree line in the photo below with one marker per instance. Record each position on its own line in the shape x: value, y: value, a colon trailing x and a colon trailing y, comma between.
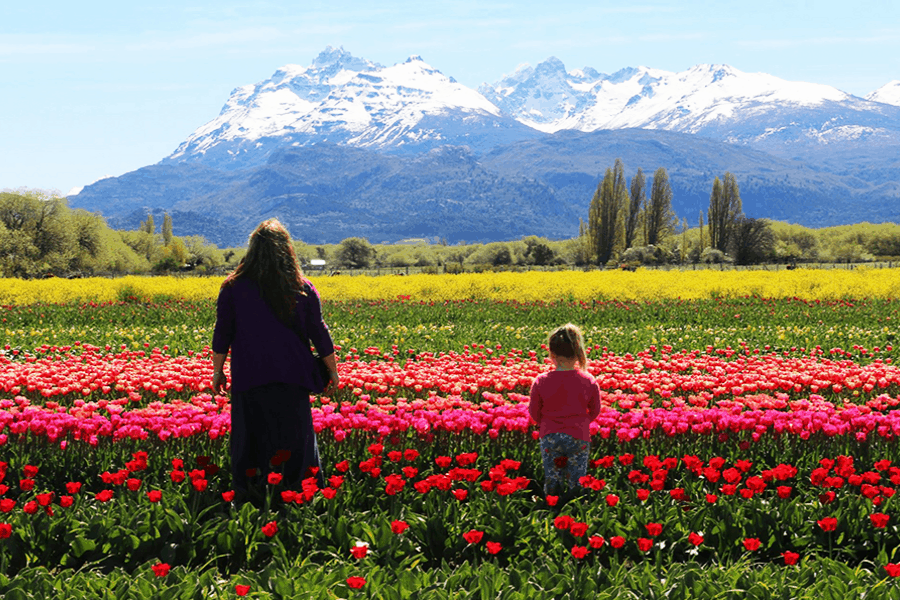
x: 40, y: 235
x: 625, y: 226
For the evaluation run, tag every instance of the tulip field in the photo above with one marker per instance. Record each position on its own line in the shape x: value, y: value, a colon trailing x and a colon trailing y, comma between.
x: 748, y: 445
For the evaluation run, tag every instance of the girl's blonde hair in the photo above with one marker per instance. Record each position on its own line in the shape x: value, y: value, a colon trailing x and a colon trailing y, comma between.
x: 568, y: 342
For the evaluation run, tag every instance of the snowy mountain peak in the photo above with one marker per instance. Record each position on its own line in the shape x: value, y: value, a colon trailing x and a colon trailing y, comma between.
x: 625, y: 74
x: 339, y: 98
x: 329, y: 56
x: 550, y: 65
x: 887, y: 94
x: 703, y: 98
x: 543, y: 95
x: 715, y: 72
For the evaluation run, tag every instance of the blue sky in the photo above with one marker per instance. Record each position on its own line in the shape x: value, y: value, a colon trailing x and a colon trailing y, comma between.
x: 97, y: 88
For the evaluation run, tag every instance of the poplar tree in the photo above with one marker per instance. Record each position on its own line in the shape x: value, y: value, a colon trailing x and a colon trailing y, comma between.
x: 148, y: 225
x: 167, y: 229
x: 620, y: 194
x: 659, y: 218
x: 724, y: 211
x: 635, y: 207
x: 603, y: 219
x: 715, y: 213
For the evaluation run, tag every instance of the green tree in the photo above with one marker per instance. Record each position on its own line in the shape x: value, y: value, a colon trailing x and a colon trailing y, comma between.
x: 579, y: 250
x: 90, y: 247
x: 635, y: 207
x: 17, y: 253
x: 500, y: 255
x: 752, y: 241
x: 659, y: 218
x: 37, y: 233
x: 715, y: 214
x: 166, y: 229
x: 143, y: 243
x: 603, y: 215
x: 724, y: 211
x: 355, y: 253
x: 537, y: 251
x: 148, y: 225
x: 201, y: 253
x: 620, y: 190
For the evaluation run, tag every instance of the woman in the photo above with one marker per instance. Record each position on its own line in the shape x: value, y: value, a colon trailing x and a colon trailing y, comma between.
x: 267, y: 313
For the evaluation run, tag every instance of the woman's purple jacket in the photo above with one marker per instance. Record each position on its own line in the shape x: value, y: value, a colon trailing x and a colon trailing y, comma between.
x: 263, y: 349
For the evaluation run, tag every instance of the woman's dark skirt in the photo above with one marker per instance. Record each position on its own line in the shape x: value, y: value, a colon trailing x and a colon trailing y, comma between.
x: 272, y: 431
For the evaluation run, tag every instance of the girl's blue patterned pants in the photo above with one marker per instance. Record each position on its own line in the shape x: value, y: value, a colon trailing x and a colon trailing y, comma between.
x: 565, y: 458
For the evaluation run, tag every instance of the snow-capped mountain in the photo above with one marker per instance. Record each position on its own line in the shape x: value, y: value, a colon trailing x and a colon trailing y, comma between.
x: 715, y: 101
x: 273, y: 106
x: 887, y: 94
x: 349, y: 147
x: 546, y: 95
x: 412, y: 107
x: 348, y: 100
x: 550, y: 98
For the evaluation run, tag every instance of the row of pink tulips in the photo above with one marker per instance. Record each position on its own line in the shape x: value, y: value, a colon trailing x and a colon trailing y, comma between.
x: 664, y: 376
x: 209, y: 416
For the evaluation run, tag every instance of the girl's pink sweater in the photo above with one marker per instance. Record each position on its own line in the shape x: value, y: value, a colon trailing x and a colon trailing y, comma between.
x: 565, y: 402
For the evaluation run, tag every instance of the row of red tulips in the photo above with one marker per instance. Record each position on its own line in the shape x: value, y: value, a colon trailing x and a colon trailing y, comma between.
x: 628, y: 509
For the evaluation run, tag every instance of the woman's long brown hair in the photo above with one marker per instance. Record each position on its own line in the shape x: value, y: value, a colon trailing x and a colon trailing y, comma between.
x: 272, y: 263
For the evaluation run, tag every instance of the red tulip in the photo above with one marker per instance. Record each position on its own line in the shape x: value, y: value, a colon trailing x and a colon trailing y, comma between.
x: 399, y: 526
x: 578, y: 529
x: 827, y: 523
x: 473, y: 536
x: 879, y: 520
x: 270, y: 528
x: 751, y: 544
x: 579, y: 551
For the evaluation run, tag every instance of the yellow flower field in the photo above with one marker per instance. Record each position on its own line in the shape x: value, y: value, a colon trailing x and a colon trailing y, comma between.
x: 530, y: 286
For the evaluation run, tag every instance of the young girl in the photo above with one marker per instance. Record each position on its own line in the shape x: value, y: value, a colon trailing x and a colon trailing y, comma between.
x: 563, y: 404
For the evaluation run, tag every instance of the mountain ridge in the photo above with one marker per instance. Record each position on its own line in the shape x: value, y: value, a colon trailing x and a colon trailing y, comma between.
x: 408, y: 136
